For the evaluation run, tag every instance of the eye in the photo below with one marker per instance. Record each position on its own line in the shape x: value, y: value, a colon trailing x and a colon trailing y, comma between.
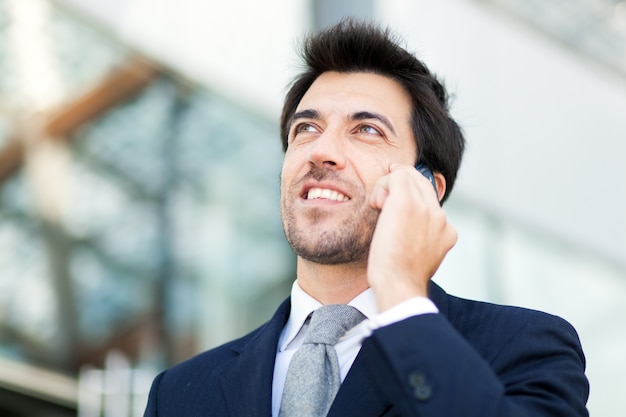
x: 304, y: 128
x: 302, y: 132
x: 369, y: 129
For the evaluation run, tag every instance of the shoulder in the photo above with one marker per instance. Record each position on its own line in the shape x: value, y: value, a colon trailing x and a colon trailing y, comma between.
x: 464, y: 312
x: 192, y: 385
x: 197, y: 384
x: 469, y: 317
x: 492, y: 327
x: 208, y: 365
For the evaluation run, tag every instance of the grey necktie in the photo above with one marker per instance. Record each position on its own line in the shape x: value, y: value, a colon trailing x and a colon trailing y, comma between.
x: 313, y: 377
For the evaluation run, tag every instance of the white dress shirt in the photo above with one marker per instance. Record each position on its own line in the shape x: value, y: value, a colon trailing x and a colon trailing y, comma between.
x: 349, y: 345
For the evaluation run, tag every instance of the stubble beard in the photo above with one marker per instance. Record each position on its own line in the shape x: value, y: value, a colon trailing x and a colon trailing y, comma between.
x: 349, y: 242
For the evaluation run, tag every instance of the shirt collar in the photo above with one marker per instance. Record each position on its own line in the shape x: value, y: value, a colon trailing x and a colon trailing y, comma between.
x: 302, y: 305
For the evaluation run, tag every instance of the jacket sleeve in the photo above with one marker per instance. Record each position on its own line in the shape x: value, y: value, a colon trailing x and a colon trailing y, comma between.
x: 427, y: 368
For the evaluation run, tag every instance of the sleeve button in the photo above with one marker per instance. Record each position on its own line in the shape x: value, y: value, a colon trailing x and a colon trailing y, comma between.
x: 422, y: 393
x: 421, y: 388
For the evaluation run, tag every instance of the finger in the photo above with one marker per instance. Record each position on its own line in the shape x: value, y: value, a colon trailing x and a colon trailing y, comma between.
x: 428, y: 193
x: 380, y: 193
x: 412, y: 185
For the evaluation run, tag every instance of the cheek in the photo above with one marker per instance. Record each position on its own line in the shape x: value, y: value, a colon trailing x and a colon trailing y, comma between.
x: 290, y: 169
x: 370, y: 169
x: 284, y: 181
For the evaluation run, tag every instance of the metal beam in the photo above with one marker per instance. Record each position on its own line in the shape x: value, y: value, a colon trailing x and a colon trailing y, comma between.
x: 59, y: 124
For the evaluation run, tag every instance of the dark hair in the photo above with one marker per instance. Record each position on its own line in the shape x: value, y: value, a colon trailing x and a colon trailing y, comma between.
x: 356, y: 46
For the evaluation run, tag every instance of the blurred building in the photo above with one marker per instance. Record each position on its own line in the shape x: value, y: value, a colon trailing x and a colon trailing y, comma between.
x: 133, y: 204
x: 140, y: 160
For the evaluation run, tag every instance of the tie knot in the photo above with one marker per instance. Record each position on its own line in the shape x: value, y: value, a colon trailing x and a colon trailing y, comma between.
x: 330, y: 322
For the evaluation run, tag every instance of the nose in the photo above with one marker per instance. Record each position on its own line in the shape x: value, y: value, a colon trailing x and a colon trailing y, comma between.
x: 328, y: 150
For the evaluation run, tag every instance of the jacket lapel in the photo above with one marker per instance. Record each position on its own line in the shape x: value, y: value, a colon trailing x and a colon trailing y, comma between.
x: 247, y: 379
x: 359, y: 395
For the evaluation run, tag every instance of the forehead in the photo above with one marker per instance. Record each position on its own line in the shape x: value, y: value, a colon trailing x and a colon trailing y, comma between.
x: 354, y: 92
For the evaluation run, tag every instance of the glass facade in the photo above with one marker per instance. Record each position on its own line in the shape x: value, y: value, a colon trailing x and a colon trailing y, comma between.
x: 158, y: 217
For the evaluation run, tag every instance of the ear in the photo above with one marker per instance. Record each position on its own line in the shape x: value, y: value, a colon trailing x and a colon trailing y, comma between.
x: 440, y: 181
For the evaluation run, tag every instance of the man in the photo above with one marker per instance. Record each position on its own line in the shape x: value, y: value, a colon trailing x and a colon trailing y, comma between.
x: 369, y: 231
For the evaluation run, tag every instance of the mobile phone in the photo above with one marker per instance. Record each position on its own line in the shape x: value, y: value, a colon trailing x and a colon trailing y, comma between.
x: 421, y: 167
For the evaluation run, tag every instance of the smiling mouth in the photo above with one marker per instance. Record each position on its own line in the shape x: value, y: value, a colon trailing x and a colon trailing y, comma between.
x: 326, y: 194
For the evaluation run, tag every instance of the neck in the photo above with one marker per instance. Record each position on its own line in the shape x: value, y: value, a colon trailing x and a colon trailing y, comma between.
x: 332, y: 284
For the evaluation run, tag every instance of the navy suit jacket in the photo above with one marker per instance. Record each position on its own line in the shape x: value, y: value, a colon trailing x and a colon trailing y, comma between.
x: 474, y: 359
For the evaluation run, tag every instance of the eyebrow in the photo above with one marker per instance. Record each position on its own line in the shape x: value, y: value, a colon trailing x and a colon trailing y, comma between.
x: 304, y: 114
x: 361, y: 115
x: 365, y: 115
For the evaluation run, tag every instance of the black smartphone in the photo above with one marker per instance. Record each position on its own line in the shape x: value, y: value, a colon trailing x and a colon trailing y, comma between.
x: 428, y: 174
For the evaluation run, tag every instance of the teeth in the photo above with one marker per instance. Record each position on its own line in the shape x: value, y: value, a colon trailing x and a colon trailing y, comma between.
x: 325, y: 194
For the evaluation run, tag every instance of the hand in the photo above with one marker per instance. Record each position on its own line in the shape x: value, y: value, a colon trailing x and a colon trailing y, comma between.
x: 411, y: 238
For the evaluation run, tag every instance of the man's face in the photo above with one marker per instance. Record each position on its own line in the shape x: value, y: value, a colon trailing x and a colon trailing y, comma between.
x: 346, y: 131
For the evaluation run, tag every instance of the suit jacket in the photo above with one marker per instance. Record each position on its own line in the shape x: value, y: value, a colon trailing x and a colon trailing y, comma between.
x: 474, y: 359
